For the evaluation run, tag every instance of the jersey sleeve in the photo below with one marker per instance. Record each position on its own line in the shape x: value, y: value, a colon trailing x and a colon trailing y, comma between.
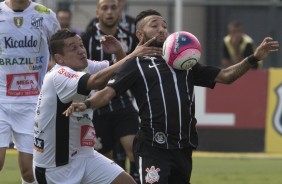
x: 96, y: 66
x: 204, y: 76
x: 68, y: 83
x: 125, y: 77
x: 52, y: 25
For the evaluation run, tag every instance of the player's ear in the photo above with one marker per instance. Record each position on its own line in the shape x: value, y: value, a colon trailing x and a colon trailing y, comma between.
x: 58, y: 59
x: 139, y: 34
x: 97, y: 14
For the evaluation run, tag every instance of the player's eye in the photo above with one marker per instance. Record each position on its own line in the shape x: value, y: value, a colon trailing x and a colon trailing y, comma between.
x: 73, y: 48
x: 114, y: 7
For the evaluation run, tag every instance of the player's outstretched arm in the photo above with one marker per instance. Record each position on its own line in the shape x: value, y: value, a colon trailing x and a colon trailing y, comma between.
x: 232, y: 73
x: 97, y: 100
x: 100, y: 79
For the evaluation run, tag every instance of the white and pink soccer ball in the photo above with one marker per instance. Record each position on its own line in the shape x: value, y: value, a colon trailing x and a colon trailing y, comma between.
x: 181, y: 50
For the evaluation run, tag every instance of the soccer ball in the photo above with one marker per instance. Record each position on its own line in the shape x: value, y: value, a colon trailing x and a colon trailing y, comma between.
x: 181, y: 50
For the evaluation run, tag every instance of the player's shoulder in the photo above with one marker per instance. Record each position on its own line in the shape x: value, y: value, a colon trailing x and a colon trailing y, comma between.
x: 123, y: 31
x: 62, y: 70
x: 1, y: 5
x: 130, y: 19
x: 41, y: 9
x: 89, y: 32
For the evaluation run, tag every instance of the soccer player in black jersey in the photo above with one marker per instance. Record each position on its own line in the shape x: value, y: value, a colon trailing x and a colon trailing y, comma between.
x: 165, y: 96
x: 118, y: 121
x: 126, y: 21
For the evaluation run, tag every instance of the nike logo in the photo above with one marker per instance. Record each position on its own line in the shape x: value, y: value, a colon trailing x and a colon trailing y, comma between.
x: 98, y: 48
x: 154, y: 65
x: 2, y: 20
x: 111, y: 81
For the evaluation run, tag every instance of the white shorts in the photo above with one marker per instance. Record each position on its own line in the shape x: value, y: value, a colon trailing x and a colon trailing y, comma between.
x: 96, y: 169
x: 17, y: 120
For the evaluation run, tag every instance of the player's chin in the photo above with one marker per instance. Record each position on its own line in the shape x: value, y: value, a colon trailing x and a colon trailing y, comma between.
x: 84, y: 62
x: 158, y: 43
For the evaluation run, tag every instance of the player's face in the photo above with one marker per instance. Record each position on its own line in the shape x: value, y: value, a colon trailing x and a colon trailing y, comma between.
x: 108, y: 13
x: 64, y: 19
x: 236, y: 34
x: 74, y: 55
x: 155, y: 26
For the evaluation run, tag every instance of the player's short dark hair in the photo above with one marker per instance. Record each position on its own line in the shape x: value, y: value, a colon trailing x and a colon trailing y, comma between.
x: 56, y: 43
x: 144, y: 14
x: 65, y: 10
x: 235, y: 24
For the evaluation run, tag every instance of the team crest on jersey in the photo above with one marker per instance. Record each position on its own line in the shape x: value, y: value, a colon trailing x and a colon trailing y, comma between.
x: 39, y: 145
x: 36, y: 22
x: 18, y: 21
x: 152, y: 175
x: 277, y: 120
x: 160, y: 137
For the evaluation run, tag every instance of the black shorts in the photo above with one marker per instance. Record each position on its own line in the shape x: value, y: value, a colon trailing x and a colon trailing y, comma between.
x: 162, y: 166
x: 111, y: 126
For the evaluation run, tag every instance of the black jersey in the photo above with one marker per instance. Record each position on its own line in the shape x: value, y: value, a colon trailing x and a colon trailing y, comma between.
x: 165, y: 98
x: 91, y: 40
x: 127, y: 22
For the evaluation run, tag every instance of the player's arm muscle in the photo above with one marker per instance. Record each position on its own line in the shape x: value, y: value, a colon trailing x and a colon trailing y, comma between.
x: 232, y: 73
x: 102, y: 97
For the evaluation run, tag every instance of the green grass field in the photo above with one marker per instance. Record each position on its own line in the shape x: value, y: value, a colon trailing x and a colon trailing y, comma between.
x: 208, y: 168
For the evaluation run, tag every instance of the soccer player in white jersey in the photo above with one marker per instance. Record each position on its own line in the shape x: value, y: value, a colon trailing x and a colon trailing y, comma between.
x: 25, y: 27
x: 63, y: 147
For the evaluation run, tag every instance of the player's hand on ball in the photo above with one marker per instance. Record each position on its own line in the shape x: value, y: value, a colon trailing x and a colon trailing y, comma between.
x: 267, y: 46
x: 75, y: 107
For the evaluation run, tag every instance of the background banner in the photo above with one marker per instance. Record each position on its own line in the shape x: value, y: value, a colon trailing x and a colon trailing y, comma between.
x: 273, y: 137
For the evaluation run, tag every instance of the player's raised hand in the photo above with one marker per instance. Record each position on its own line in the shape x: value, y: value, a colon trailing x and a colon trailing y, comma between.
x: 75, y: 107
x: 110, y: 44
x: 267, y: 46
x: 144, y: 49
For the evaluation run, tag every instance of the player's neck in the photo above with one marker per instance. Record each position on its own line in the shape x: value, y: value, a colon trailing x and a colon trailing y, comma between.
x: 18, y: 4
x: 107, y: 30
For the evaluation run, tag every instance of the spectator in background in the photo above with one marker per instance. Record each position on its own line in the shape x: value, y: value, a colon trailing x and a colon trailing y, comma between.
x: 25, y: 29
x: 126, y: 21
x: 117, y: 121
x: 64, y: 17
x: 237, y: 45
